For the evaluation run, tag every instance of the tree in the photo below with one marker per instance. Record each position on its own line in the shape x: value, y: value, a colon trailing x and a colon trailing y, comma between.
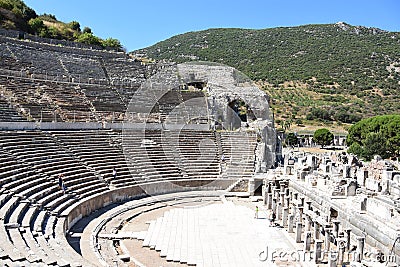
x: 375, y: 144
x: 28, y: 13
x: 323, y: 137
x: 37, y: 25
x: 74, y: 25
x: 87, y: 30
x: 318, y: 113
x: 291, y: 139
x: 110, y: 42
x: 379, y: 135
x: 88, y: 38
x: 356, y: 149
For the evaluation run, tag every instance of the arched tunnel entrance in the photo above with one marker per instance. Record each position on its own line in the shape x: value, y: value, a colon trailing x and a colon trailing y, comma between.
x: 238, y: 112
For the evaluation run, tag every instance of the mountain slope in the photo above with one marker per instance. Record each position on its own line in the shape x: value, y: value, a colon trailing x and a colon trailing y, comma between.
x: 349, y: 71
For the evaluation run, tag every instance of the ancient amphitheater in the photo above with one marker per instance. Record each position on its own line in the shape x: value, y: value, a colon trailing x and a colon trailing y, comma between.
x: 164, y: 164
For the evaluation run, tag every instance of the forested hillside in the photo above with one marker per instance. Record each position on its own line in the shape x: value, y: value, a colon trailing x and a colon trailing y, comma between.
x: 16, y: 15
x: 333, y: 72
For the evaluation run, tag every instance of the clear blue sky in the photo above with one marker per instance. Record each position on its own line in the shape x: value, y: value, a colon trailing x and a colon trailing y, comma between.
x: 141, y: 23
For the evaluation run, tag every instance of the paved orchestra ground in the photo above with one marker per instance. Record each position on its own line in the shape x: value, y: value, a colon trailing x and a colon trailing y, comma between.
x: 217, y: 233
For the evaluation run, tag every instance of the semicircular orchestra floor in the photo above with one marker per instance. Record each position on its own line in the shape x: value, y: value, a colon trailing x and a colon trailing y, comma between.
x: 181, y: 231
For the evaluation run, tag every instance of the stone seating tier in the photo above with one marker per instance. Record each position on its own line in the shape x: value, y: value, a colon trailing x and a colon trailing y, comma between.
x: 32, y: 204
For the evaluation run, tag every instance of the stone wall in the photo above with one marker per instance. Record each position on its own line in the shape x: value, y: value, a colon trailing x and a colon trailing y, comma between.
x: 92, y: 203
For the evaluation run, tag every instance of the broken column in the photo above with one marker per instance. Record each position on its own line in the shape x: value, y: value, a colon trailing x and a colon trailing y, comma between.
x: 295, y: 196
x: 300, y: 213
x: 307, y: 241
x: 274, y: 205
x: 360, y: 248
x: 318, y: 250
x: 346, y: 171
x: 362, y: 175
x: 302, y: 200
x: 290, y: 223
x: 294, y: 209
x: 316, y: 229
x: 287, y: 191
x: 269, y: 201
x: 336, y: 228
x: 327, y: 238
x: 307, y: 222
x: 282, y: 186
x: 265, y: 193
x: 341, y: 245
x: 282, y: 198
x: 281, y: 204
x: 299, y: 229
x: 287, y: 201
x: 285, y: 213
x: 308, y: 205
x: 275, y: 192
x: 332, y: 259
x: 347, y: 231
x: 279, y: 211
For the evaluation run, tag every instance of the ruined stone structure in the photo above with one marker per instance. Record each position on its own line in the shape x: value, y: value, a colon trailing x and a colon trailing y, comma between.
x: 202, y: 93
x: 337, y: 204
x: 82, y: 113
x: 197, y: 130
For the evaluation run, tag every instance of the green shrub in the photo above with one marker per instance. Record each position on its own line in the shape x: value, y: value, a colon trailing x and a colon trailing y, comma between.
x: 323, y: 137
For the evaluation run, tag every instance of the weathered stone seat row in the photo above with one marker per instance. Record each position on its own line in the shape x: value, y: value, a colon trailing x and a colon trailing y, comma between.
x: 31, y: 201
x: 239, y: 151
x: 51, y: 101
x: 8, y: 113
x: 63, y: 46
x: 31, y: 65
x: 54, y: 61
x: 28, y: 202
